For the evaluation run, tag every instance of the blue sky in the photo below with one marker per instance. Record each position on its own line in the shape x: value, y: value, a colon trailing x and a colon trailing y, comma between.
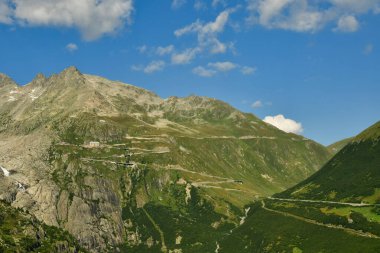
x: 314, y: 62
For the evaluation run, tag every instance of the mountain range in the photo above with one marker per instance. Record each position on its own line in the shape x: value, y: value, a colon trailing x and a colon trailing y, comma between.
x: 123, y: 170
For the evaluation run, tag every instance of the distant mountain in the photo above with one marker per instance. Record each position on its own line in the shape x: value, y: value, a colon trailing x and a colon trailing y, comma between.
x: 196, y: 161
x: 352, y: 175
x: 337, y: 146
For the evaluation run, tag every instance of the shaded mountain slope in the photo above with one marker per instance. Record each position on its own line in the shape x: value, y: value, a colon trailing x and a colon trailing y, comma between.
x: 353, y: 175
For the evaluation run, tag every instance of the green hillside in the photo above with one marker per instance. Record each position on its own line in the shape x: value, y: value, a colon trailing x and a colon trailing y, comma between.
x: 337, y: 146
x: 288, y: 227
x: 353, y: 175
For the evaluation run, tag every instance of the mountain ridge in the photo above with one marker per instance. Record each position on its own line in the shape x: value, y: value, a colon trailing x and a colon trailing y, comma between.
x: 193, y: 157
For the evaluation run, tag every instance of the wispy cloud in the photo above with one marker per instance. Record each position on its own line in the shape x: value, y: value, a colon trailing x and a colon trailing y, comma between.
x: 176, y: 4
x: 200, y: 5
x: 185, y: 56
x: 257, y: 104
x: 201, y: 71
x: 71, y: 47
x: 142, y: 49
x: 368, y: 49
x: 152, y: 67
x: 225, y: 66
x: 207, y: 33
x: 245, y: 70
x: 164, y: 50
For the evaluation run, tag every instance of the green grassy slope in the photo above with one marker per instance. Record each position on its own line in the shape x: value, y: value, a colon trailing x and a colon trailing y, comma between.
x: 353, y: 175
x: 337, y: 146
x: 266, y: 231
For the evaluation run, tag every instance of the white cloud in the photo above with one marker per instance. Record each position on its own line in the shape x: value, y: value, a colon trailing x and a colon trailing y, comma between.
x: 93, y: 18
x: 223, y: 66
x: 294, y: 15
x: 309, y: 16
x: 245, y: 70
x: 347, y: 24
x: 71, y: 47
x: 201, y: 71
x: 356, y: 6
x: 368, y: 49
x: 5, y: 12
x: 214, y: 68
x: 186, y: 56
x: 165, y: 50
x: 152, y: 67
x: 207, y: 34
x: 284, y: 124
x: 176, y: 4
x: 257, y: 104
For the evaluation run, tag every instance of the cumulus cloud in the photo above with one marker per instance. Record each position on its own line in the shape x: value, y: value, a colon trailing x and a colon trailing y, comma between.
x: 201, y: 71
x: 152, y: 67
x: 284, y: 124
x: 93, y: 18
x: 71, y: 47
x: 207, y: 33
x: 257, y: 104
x: 347, y: 24
x: 309, y: 16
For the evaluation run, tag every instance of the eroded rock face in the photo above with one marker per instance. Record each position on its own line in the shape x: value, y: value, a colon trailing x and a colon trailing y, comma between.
x: 90, y: 211
x: 95, y: 217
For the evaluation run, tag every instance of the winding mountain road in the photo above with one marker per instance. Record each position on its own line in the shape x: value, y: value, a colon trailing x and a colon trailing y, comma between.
x: 324, y: 202
x: 348, y: 230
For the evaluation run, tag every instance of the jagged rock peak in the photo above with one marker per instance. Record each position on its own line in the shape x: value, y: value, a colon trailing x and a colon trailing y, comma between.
x: 6, y: 80
x: 70, y: 76
x: 72, y: 70
x: 38, y: 80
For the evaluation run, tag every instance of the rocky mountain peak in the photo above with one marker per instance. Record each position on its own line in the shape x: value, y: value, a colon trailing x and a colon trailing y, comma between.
x: 40, y: 79
x: 72, y: 70
x: 70, y: 76
x: 6, y: 80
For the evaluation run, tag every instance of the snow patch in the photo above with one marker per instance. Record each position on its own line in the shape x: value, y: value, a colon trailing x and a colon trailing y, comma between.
x: 5, y: 171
